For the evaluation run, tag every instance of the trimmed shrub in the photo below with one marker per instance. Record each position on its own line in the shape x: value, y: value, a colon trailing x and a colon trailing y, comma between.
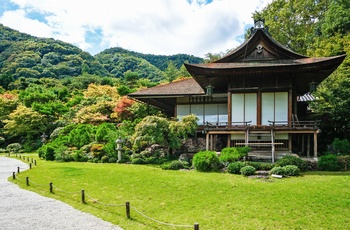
x: 49, y: 153
x: 344, y: 162
x: 235, y: 167
x: 104, y: 159
x: 291, y: 170
x: 231, y: 154
x: 14, y: 147
x: 138, y: 161
x: 328, y: 163
x: 311, y: 165
x: 292, y: 160
x: 260, y: 165
x: 79, y: 156
x: 206, y: 161
x: 278, y: 170
x: 176, y: 165
x: 112, y: 160
x: 248, y: 170
x: 341, y: 147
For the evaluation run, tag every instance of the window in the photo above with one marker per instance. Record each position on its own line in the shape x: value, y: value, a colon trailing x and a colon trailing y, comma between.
x: 213, y: 113
x: 274, y: 107
x: 244, y: 107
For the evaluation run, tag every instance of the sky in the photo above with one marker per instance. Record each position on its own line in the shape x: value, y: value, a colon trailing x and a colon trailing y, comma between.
x: 161, y: 27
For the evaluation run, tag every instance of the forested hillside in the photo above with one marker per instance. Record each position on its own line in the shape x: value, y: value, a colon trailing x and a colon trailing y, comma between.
x: 22, y: 55
x: 25, y: 56
x: 159, y: 61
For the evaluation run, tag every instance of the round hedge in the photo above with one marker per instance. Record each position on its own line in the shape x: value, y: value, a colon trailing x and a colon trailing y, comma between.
x: 248, y: 170
x: 206, y: 161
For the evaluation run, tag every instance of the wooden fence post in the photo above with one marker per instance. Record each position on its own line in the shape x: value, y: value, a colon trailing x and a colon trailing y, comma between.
x: 14, y: 175
x: 51, y: 187
x: 35, y: 162
x: 127, y: 209
x: 83, y: 196
x: 196, y: 226
x: 17, y: 169
x: 30, y: 165
x: 27, y: 181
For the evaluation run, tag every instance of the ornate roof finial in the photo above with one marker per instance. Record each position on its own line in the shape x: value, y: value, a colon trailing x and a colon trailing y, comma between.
x: 259, y: 23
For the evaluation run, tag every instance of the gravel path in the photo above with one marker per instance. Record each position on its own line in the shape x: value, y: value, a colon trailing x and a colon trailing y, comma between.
x: 21, y: 209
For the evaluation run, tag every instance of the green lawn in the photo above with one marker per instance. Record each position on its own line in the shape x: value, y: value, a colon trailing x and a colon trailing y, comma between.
x: 315, y: 200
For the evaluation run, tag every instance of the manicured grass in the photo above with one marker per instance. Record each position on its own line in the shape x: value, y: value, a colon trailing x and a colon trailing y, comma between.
x: 315, y: 200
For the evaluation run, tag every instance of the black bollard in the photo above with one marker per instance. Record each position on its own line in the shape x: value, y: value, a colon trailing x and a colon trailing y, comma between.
x: 127, y: 210
x: 83, y: 196
x: 196, y: 226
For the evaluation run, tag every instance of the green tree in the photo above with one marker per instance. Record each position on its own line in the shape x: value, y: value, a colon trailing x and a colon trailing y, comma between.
x: 82, y: 135
x: 183, y: 72
x: 105, y: 132
x: 151, y: 130
x: 171, y: 72
x: 5, y: 80
x: 130, y: 78
x: 180, y: 130
x: 25, y: 122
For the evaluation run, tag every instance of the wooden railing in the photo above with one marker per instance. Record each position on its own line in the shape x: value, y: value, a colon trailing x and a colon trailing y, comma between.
x: 293, y: 124
x: 272, y: 124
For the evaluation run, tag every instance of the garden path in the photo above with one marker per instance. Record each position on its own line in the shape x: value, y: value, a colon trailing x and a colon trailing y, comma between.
x: 22, y: 209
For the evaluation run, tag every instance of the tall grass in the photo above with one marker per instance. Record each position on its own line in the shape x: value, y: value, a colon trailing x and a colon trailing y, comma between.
x: 214, y: 200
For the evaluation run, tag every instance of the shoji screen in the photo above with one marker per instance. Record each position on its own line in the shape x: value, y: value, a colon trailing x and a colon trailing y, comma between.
x: 274, y: 107
x: 244, y: 107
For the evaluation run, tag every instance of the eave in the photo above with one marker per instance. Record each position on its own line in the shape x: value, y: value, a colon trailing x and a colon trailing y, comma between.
x: 307, y: 69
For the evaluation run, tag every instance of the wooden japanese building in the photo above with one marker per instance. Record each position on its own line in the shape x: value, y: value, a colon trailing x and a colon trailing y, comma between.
x: 253, y: 96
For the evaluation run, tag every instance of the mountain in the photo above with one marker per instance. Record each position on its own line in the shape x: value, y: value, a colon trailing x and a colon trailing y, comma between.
x: 117, y: 63
x: 159, y: 61
x: 23, y: 55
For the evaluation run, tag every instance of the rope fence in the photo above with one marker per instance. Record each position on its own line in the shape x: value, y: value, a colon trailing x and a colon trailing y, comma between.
x: 127, y: 205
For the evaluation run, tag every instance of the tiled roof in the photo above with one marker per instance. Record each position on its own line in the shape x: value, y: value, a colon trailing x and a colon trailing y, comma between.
x: 266, y: 64
x: 177, y: 88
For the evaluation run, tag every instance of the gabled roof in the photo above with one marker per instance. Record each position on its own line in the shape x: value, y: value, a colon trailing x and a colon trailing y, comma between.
x: 261, y: 55
x: 270, y: 49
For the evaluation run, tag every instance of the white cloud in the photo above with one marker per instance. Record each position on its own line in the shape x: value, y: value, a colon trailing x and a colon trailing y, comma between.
x: 153, y: 26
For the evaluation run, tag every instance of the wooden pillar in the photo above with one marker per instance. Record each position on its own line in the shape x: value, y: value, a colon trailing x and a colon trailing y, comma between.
x: 315, y: 144
x: 207, y: 141
x: 228, y: 140
x: 258, y: 109
x: 229, y: 109
x: 290, y: 106
x: 290, y: 143
x: 211, y: 142
x: 273, y: 146
x: 246, y: 138
x: 308, y: 146
x: 303, y: 143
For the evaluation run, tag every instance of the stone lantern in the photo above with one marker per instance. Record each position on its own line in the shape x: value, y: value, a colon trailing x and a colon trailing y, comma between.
x: 119, y: 148
x: 43, y: 138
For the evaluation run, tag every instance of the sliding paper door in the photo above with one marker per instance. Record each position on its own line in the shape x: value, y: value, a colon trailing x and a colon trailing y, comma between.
x: 274, y: 107
x: 244, y: 108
